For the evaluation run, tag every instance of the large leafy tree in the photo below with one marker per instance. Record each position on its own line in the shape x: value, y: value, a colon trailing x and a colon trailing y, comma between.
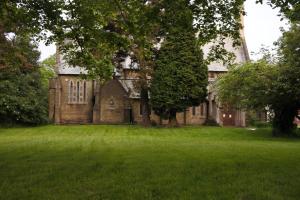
x: 289, y: 8
x: 47, y: 69
x: 271, y: 83
x: 248, y: 86
x: 23, y: 97
x: 275, y: 85
x: 98, y: 33
x: 287, y: 89
x: 101, y: 33
x: 180, y: 73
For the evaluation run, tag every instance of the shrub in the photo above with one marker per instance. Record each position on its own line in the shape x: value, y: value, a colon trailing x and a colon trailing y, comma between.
x: 23, y: 99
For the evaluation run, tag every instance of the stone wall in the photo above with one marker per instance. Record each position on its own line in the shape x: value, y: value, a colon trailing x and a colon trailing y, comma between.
x: 113, y: 99
x: 106, y: 104
x: 62, y: 109
x: 188, y: 119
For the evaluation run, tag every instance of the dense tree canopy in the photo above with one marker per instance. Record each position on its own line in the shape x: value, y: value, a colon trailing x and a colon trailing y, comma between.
x: 97, y: 35
x: 47, y: 69
x: 272, y: 84
x: 180, y: 74
x: 248, y: 85
x: 263, y: 84
x: 23, y: 98
x: 101, y: 33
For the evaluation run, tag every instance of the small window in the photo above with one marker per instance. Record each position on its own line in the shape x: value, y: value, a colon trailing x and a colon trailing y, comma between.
x: 70, y: 97
x: 78, y: 90
x: 202, y: 110
x: 194, y: 110
x: 84, y: 91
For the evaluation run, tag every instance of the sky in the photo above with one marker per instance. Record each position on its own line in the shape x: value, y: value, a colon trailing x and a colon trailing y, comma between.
x: 262, y: 27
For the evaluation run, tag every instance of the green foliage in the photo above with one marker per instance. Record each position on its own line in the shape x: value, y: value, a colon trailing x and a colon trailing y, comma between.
x: 180, y: 75
x: 34, y: 17
x: 104, y: 30
x: 248, y: 85
x: 47, y: 70
x: 255, y: 118
x: 287, y: 88
x: 289, y: 8
x: 23, y: 98
x: 261, y: 84
x: 98, y: 35
x: 23, y: 85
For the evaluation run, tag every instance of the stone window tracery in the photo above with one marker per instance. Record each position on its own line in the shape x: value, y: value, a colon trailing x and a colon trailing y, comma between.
x: 77, y: 92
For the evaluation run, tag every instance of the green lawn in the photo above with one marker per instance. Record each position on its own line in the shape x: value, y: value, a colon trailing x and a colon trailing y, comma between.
x: 130, y: 162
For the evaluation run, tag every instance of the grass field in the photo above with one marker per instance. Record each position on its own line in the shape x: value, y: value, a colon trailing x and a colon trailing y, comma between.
x: 130, y: 162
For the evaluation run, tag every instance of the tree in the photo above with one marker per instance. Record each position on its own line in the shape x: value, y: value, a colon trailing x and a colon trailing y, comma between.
x: 46, y: 69
x: 288, y: 82
x: 262, y: 84
x: 289, y: 8
x: 23, y: 99
x: 101, y: 33
x: 247, y: 86
x: 267, y: 83
x: 180, y: 74
x: 31, y: 17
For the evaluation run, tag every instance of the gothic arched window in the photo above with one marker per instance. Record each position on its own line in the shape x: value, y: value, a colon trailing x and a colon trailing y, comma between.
x: 84, y: 91
x: 70, y: 97
x: 202, y: 110
x: 77, y: 92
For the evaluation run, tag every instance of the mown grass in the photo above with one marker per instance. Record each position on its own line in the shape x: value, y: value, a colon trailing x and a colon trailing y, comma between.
x: 131, y: 162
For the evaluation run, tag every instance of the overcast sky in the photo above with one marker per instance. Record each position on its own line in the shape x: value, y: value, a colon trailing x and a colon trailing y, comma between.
x: 262, y: 27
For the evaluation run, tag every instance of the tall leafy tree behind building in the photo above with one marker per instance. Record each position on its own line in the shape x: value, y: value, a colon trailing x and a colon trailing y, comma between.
x: 47, y: 69
x: 101, y: 32
x: 23, y: 97
x: 180, y: 74
x: 287, y: 88
x: 273, y: 84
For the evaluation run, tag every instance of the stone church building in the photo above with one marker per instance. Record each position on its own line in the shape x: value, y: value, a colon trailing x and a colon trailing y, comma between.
x: 73, y: 100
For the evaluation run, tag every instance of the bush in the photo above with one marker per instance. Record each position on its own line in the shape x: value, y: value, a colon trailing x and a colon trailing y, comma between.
x: 260, y: 124
x: 23, y: 99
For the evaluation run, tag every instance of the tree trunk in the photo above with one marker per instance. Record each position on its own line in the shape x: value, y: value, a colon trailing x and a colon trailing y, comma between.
x: 172, y: 119
x: 283, y: 122
x: 145, y: 107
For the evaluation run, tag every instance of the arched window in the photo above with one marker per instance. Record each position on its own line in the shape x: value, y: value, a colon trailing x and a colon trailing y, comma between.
x: 70, y: 97
x: 202, y: 109
x: 78, y: 91
x: 84, y: 91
